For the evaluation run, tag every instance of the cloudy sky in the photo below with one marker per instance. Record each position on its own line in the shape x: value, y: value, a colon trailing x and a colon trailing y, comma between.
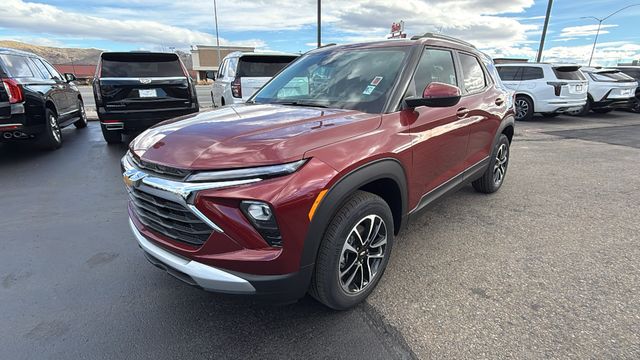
x: 502, y: 28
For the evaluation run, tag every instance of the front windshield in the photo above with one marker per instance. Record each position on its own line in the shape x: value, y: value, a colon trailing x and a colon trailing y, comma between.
x: 360, y: 79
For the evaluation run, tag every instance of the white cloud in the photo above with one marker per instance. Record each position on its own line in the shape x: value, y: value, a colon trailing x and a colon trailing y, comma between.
x: 18, y: 14
x: 585, y: 30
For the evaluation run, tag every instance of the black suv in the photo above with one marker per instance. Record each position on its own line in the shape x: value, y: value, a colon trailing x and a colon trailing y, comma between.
x: 36, y: 101
x: 135, y: 90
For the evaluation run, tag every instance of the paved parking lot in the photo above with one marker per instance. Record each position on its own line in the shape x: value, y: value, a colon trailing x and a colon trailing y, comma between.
x: 547, y: 267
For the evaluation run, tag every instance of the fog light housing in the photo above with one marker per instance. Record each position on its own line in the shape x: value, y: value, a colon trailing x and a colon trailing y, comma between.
x: 261, y: 216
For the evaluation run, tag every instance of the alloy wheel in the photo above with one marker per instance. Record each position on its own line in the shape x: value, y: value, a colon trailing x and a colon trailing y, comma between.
x: 522, y: 108
x: 83, y: 113
x: 500, y: 167
x: 55, y: 128
x: 362, y: 254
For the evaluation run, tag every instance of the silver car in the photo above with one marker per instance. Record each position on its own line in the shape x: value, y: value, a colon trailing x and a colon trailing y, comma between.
x: 241, y: 74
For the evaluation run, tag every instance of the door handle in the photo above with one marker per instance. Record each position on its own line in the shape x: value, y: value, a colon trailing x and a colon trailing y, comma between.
x: 462, y: 112
x: 499, y: 101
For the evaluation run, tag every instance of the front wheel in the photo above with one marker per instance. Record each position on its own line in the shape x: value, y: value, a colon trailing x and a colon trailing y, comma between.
x: 493, y: 177
x: 354, y: 252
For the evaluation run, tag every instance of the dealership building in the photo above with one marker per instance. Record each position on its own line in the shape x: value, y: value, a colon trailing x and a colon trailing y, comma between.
x: 205, y: 58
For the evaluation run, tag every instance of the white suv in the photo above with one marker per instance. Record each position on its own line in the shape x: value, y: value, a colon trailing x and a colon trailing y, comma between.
x: 609, y: 89
x: 242, y: 74
x: 544, y: 88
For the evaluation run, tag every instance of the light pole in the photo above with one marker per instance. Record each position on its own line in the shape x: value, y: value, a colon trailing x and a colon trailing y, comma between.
x: 319, y: 23
x: 600, y: 20
x: 215, y: 14
x: 544, y: 30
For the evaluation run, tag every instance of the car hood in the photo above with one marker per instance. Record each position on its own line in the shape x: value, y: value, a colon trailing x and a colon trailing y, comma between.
x: 248, y: 135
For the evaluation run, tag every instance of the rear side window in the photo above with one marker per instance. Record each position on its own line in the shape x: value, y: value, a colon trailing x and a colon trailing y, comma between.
x: 435, y: 66
x: 230, y: 70
x: 17, y: 66
x: 42, y: 69
x: 510, y: 73
x: 262, y: 66
x: 474, y: 80
x: 532, y: 73
x: 141, y: 65
x: 568, y: 73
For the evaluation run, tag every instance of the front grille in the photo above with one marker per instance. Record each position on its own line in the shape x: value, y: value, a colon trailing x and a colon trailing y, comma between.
x: 161, y: 169
x: 169, y: 218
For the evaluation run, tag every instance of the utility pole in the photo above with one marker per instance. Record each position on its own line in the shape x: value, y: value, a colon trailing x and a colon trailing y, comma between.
x: 319, y: 23
x: 600, y: 20
x: 215, y: 14
x: 544, y: 30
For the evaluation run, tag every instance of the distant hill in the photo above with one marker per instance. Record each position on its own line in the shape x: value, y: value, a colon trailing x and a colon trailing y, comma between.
x: 67, y: 56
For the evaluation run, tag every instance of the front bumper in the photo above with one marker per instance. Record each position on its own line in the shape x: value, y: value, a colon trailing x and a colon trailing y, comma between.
x: 192, y: 272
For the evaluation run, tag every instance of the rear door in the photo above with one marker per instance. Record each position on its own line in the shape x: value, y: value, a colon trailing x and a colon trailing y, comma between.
x: 255, y: 70
x: 52, y: 86
x: 143, y: 81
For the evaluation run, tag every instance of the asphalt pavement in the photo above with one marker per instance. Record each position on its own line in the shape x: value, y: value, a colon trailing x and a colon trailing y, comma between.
x: 545, y: 268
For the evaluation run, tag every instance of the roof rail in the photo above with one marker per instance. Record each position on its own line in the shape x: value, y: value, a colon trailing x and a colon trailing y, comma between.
x: 443, y: 37
x: 326, y: 45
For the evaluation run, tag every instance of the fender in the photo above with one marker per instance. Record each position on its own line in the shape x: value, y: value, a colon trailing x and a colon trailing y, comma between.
x: 340, y: 192
x: 509, y: 120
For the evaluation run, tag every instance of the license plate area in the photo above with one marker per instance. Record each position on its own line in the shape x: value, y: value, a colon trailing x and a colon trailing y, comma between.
x: 148, y: 93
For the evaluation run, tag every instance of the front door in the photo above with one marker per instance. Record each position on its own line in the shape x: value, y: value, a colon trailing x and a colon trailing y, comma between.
x: 440, y: 135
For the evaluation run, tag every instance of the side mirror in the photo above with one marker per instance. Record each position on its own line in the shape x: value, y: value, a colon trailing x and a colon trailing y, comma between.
x: 210, y: 75
x: 436, y: 94
x: 69, y: 77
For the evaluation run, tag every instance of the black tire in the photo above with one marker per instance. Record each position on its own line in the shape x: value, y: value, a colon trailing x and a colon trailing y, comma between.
x: 82, y: 122
x: 327, y: 286
x: 524, y: 108
x: 636, y: 106
x: 489, y: 183
x: 602, y: 111
x: 550, y: 115
x: 51, y: 139
x: 111, y: 136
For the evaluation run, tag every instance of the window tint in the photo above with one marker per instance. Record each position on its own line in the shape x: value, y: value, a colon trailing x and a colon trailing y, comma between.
x: 435, y: 66
x: 42, y: 68
x: 510, y: 73
x: 141, y: 65
x: 17, y: 66
x: 262, y: 66
x: 532, y: 73
x: 473, y: 75
x: 52, y: 71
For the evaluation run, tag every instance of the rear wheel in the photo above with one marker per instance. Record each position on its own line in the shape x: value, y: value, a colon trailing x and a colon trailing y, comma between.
x: 52, y: 137
x: 82, y: 122
x: 636, y: 106
x: 111, y: 136
x: 354, y: 252
x: 493, y: 177
x: 524, y: 108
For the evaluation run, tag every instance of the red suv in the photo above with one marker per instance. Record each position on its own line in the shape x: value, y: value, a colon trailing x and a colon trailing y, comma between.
x: 304, y: 187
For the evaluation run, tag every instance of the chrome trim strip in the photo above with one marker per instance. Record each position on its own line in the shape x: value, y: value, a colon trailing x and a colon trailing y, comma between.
x: 176, y: 191
x: 208, y: 277
x: 10, y: 125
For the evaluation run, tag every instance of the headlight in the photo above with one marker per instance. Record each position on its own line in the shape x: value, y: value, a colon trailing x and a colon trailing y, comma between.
x: 261, y: 217
x: 248, y: 173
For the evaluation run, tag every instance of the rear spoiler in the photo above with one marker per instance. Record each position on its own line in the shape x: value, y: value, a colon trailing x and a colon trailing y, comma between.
x: 567, y: 68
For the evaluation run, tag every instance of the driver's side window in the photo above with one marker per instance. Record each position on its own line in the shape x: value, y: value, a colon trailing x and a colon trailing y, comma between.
x: 435, y: 66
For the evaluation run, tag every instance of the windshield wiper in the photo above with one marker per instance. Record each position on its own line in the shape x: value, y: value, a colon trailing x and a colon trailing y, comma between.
x: 300, y: 103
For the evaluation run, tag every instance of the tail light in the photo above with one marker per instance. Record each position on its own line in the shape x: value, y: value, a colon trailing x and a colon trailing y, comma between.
x: 14, y: 90
x: 236, y: 88
x: 557, y: 86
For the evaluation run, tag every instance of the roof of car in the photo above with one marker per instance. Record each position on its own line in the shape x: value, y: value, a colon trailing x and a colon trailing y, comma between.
x: 10, y: 51
x: 426, y: 39
x: 253, y: 53
x: 520, y: 64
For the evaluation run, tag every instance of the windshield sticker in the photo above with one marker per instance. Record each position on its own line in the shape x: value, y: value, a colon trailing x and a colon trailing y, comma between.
x: 368, y: 90
x: 376, y: 80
